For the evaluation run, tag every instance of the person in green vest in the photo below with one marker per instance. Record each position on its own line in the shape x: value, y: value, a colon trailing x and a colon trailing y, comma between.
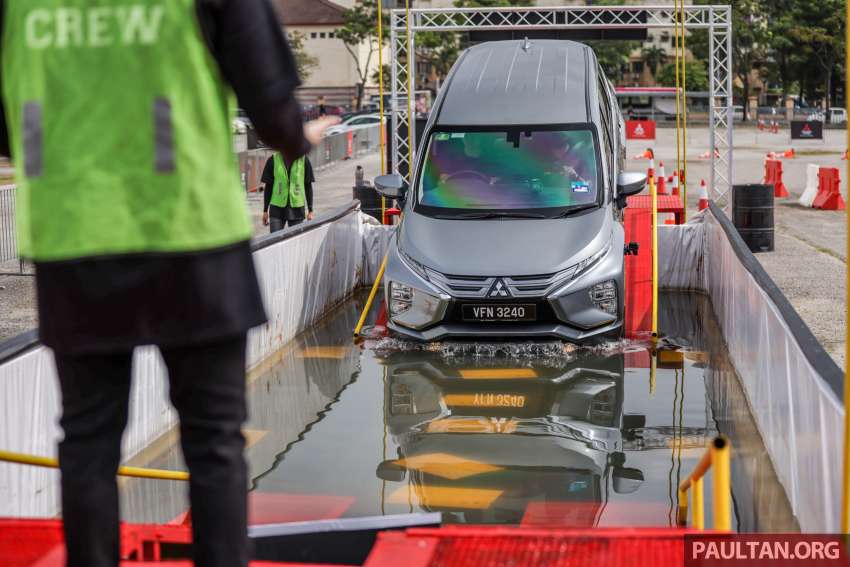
x: 288, y: 191
x: 118, y: 120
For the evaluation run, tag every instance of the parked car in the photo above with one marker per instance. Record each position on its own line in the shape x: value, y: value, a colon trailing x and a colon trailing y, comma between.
x: 354, y: 122
x: 512, y: 226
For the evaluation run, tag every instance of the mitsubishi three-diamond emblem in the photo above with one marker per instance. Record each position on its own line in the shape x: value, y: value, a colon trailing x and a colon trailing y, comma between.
x: 499, y: 289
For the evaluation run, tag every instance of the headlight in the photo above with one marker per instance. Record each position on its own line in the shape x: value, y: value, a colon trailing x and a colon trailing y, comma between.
x: 414, y: 308
x: 591, y: 260
x: 604, y: 297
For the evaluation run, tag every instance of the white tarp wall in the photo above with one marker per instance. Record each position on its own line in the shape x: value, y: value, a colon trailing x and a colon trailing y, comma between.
x: 303, y: 273
x: 791, y: 384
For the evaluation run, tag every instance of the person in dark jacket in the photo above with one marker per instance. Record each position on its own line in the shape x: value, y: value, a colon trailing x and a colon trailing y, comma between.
x: 288, y: 191
x: 122, y: 127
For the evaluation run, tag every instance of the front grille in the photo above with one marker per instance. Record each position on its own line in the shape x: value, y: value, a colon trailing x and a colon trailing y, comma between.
x: 477, y: 287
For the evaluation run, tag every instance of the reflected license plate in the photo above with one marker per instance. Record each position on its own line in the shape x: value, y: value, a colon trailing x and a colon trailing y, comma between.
x: 500, y: 313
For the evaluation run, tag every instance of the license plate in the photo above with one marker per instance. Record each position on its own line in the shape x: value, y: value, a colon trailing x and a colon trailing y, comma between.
x: 499, y: 313
x: 486, y: 400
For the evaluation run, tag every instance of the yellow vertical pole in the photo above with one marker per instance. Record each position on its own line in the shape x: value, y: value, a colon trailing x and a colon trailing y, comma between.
x: 683, y: 182
x: 653, y: 370
x: 721, y: 487
x: 678, y: 97
x: 845, y: 485
x: 699, y: 504
x: 682, y: 513
x: 654, y: 196
x: 381, y: 102
x: 411, y: 71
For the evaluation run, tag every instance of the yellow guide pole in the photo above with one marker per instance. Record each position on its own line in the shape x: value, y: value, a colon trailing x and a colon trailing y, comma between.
x: 845, y: 485
x: 135, y: 472
x: 381, y: 102
x: 654, y: 196
x: 699, y: 504
x: 371, y: 299
x: 411, y: 70
x: 683, y: 182
x: 721, y: 487
x: 678, y: 99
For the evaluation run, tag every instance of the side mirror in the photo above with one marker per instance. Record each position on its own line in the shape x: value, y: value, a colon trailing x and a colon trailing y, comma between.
x: 630, y: 183
x: 627, y: 480
x: 392, y: 186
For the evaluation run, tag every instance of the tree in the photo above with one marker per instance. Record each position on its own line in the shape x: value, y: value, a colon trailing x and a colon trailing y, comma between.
x: 820, y: 29
x: 697, y: 76
x: 654, y: 57
x: 751, y: 35
x: 304, y: 62
x: 613, y: 56
x: 440, y: 50
x: 361, y: 30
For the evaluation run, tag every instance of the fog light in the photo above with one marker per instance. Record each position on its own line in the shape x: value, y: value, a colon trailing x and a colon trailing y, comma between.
x: 401, y: 298
x: 604, y: 297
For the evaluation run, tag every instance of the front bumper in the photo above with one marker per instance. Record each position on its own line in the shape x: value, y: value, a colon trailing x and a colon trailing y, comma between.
x: 567, y: 313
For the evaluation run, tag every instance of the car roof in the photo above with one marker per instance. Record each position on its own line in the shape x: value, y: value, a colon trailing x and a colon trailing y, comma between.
x: 520, y: 82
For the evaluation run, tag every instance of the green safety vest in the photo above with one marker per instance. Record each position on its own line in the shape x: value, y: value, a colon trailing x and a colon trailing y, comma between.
x: 288, y: 185
x: 120, y: 125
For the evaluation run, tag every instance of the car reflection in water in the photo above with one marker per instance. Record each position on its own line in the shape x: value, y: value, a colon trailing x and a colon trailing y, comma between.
x: 484, y: 445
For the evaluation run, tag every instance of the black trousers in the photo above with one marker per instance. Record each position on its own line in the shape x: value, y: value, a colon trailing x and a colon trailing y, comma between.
x: 207, y: 387
x: 277, y: 224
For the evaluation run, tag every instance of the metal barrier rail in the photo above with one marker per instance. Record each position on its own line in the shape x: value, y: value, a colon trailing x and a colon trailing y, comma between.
x: 135, y: 472
x: 716, y: 457
x: 8, y: 238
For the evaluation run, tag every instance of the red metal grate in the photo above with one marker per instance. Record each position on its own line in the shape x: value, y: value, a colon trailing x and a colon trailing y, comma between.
x: 520, y: 547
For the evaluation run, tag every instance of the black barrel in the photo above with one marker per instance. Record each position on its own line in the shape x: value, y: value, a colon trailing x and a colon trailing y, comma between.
x: 752, y: 214
x: 370, y: 200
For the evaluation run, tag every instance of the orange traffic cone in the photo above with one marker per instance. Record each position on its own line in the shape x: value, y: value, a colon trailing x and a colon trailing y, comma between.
x: 791, y: 154
x: 662, y: 179
x: 675, y: 185
x: 703, y: 196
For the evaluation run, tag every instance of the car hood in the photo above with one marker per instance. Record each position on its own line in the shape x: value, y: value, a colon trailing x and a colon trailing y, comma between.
x: 504, y: 247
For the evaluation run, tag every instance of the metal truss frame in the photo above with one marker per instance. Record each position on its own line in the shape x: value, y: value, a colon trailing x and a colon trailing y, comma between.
x: 716, y: 19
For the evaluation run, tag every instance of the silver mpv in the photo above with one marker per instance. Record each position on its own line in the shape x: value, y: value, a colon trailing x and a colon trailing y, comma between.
x: 512, y: 227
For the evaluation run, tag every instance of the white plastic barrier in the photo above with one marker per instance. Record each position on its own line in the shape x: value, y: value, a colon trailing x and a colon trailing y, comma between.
x: 792, y: 385
x: 303, y: 273
x: 811, y: 190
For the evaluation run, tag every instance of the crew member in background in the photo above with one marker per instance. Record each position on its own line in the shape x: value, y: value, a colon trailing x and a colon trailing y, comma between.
x: 288, y: 187
x: 130, y: 205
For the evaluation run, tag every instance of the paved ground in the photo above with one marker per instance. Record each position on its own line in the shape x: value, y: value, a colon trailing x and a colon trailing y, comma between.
x: 809, y: 262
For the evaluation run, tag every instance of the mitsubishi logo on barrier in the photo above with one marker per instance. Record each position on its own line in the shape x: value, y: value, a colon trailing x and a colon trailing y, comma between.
x: 499, y: 289
x: 639, y: 131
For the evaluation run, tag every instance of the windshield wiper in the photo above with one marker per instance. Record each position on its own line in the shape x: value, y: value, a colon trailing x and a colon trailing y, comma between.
x: 575, y: 210
x: 492, y: 215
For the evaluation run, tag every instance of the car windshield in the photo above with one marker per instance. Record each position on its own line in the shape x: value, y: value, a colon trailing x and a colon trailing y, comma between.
x: 498, y: 171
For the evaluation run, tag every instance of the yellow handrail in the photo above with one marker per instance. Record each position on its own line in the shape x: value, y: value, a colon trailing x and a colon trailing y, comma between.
x: 654, y: 197
x: 371, y: 299
x: 717, y: 459
x: 135, y: 472
x: 845, y: 496
x: 683, y: 177
x: 381, y: 101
